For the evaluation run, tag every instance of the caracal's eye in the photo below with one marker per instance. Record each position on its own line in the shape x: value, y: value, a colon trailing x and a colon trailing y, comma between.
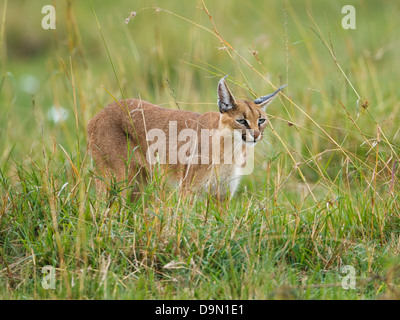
x: 242, y: 121
x: 261, y: 121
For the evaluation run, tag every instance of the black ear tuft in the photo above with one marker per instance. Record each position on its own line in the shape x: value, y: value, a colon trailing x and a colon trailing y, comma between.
x: 266, y: 100
x: 226, y: 100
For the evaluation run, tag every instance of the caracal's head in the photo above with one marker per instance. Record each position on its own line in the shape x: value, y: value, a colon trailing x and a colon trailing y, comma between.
x: 246, y: 119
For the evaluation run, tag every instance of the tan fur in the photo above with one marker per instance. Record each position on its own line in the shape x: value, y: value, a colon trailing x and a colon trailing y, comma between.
x: 117, y: 138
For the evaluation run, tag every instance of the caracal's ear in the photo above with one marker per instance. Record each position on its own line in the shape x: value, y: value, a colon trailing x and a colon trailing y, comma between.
x: 266, y: 100
x: 226, y: 100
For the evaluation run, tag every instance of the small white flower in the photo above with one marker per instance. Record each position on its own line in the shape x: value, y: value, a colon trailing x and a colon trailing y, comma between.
x: 57, y: 114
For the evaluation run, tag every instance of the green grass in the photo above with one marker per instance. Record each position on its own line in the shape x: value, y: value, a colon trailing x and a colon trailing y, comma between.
x: 324, y: 193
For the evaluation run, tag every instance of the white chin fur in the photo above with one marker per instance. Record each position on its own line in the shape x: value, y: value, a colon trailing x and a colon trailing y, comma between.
x: 250, y: 143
